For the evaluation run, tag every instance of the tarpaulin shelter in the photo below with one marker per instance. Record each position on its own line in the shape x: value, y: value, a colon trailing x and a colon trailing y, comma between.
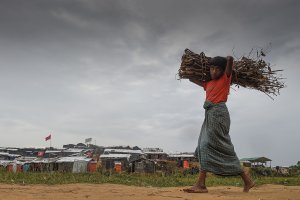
x: 182, y: 159
x: 8, y: 156
x: 108, y: 161
x: 26, y: 167
x: 4, y: 164
x: 43, y: 164
x: 143, y: 166
x: 155, y: 154
x: 73, y: 164
x: 256, y: 161
x: 14, y: 167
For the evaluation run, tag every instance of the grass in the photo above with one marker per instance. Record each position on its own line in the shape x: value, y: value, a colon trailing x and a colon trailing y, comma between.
x: 154, y: 180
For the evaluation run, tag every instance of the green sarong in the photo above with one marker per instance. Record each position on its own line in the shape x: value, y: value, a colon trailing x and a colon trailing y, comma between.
x: 215, y: 150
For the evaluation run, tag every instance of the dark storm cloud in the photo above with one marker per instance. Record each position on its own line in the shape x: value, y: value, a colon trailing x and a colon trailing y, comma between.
x: 106, y: 69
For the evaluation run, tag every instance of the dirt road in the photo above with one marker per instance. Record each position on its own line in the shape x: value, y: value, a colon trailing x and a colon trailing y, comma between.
x: 111, y: 192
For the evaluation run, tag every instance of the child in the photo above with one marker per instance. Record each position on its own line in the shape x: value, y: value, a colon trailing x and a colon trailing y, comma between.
x: 215, y: 151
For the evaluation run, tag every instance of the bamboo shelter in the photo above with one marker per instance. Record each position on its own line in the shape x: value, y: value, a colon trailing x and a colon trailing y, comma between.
x: 252, y: 73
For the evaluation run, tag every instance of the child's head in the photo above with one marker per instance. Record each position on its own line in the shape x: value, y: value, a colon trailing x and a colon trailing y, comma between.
x: 217, y: 67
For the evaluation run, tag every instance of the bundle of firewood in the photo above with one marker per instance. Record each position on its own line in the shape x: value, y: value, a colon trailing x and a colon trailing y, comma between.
x: 248, y: 72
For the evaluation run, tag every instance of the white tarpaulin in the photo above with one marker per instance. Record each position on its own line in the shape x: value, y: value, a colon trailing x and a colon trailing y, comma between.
x: 80, y: 166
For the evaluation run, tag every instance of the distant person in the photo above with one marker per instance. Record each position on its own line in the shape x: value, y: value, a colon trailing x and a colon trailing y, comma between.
x: 215, y: 151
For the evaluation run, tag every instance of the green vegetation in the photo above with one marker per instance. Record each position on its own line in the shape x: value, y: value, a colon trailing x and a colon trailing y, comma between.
x: 154, y: 180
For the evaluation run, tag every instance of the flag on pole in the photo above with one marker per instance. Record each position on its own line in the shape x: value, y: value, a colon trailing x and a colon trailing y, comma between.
x: 88, y: 140
x: 48, y: 137
x: 41, y: 153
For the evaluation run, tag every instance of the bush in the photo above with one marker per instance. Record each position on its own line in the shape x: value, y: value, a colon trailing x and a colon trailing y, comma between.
x: 295, y: 170
x: 261, y: 171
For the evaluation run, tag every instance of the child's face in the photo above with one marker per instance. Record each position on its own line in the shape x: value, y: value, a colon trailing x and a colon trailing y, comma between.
x: 215, y: 72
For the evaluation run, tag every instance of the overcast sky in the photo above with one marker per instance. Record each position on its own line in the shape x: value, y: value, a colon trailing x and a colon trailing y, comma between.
x: 107, y: 70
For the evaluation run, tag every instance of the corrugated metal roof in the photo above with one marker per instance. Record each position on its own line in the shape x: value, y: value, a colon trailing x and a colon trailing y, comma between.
x: 73, y: 150
x: 12, y: 149
x: 151, y: 152
x: 8, y: 154
x: 128, y: 151
x: 256, y: 159
x: 25, y: 158
x: 115, y: 156
x: 73, y: 159
x: 5, y: 162
x: 43, y: 160
x: 53, y: 151
x: 181, y: 155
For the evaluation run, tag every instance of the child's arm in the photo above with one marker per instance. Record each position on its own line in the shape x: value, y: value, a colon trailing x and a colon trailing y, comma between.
x: 229, y: 66
x: 197, y: 82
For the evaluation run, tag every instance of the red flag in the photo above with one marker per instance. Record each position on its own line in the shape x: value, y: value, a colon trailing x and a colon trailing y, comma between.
x: 48, y: 137
x: 41, y: 153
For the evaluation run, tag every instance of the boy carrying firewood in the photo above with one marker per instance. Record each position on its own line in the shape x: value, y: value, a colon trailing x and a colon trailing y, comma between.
x: 215, y: 150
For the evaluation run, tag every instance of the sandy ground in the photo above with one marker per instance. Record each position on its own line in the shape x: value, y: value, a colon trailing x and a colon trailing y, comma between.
x: 111, y: 191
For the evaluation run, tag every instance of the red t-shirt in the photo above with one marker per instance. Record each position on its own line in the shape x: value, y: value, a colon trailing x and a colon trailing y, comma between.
x: 217, y: 90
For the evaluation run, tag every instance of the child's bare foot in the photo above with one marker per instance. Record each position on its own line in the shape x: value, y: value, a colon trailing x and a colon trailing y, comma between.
x: 196, y: 189
x: 248, y: 186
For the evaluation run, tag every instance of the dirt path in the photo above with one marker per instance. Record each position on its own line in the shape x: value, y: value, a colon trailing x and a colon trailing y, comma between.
x: 111, y: 192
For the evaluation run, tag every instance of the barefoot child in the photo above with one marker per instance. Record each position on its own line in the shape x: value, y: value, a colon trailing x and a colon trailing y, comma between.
x: 215, y: 151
